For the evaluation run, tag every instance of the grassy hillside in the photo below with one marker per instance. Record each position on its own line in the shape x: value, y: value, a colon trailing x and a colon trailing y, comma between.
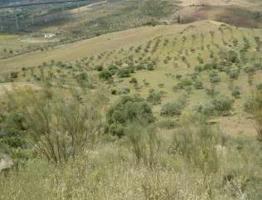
x: 153, y: 113
x: 74, y: 22
x: 186, y: 60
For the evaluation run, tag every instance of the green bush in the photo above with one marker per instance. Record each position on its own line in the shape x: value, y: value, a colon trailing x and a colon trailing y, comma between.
x: 214, y: 77
x: 83, y: 79
x: 219, y: 105
x: 173, y: 108
x: 112, y: 69
x: 197, y: 146
x: 198, y: 85
x: 58, y: 128
x: 99, y: 68
x: 124, y: 73
x: 133, y: 81
x: 183, y: 84
x: 105, y: 75
x: 234, y: 73
x: 259, y: 86
x: 154, y: 97
x: 236, y: 92
x: 231, y: 56
x: 144, y: 144
x: 254, y: 106
x: 222, y: 104
x: 128, y: 110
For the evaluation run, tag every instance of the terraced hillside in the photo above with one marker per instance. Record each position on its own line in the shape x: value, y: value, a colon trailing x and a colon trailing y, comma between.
x: 200, y: 66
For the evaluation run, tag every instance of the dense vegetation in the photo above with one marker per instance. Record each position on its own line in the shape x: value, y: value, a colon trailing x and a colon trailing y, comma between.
x: 72, y: 158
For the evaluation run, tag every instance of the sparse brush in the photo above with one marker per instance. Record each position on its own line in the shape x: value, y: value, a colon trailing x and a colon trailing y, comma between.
x: 60, y: 127
x: 197, y: 145
x: 144, y: 143
x: 254, y: 106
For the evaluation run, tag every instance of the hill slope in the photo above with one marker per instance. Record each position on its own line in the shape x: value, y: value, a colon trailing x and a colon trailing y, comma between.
x: 196, y: 62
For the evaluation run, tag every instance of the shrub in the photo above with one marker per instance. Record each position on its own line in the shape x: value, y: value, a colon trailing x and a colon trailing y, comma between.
x: 258, y: 66
x: 133, y: 81
x: 114, y: 92
x: 219, y: 105
x: 112, y: 69
x: 198, y: 85
x: 128, y: 110
x: 214, y: 77
x: 144, y: 144
x: 222, y: 104
x: 236, y: 92
x: 14, y: 75
x: 173, y: 108
x: 232, y: 57
x: 13, y: 140
x: 206, y: 108
x: 250, y: 69
x: 105, y: 75
x: 99, y: 68
x: 183, y: 84
x: 154, y: 97
x: 82, y: 76
x: 196, y: 144
x: 200, y: 60
x: 254, y: 106
x: 234, y: 73
x: 150, y: 67
x: 259, y: 87
x: 58, y: 128
x: 198, y: 68
x: 124, y: 73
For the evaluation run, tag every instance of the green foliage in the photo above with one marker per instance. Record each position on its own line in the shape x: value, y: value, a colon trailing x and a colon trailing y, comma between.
x: 144, y: 144
x: 156, y: 8
x: 112, y: 69
x: 198, y: 85
x: 219, y: 105
x: 259, y: 87
x: 196, y: 161
x: 99, y: 68
x: 128, y: 110
x: 254, y: 106
x: 229, y: 57
x: 173, y: 108
x: 83, y: 79
x: 59, y: 129
x: 183, y: 84
x: 105, y: 75
x: 197, y: 145
x: 154, y: 97
x: 13, y: 138
x: 133, y: 81
x: 214, y: 77
x: 124, y: 73
x: 236, y: 92
x: 234, y: 73
x: 222, y: 104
